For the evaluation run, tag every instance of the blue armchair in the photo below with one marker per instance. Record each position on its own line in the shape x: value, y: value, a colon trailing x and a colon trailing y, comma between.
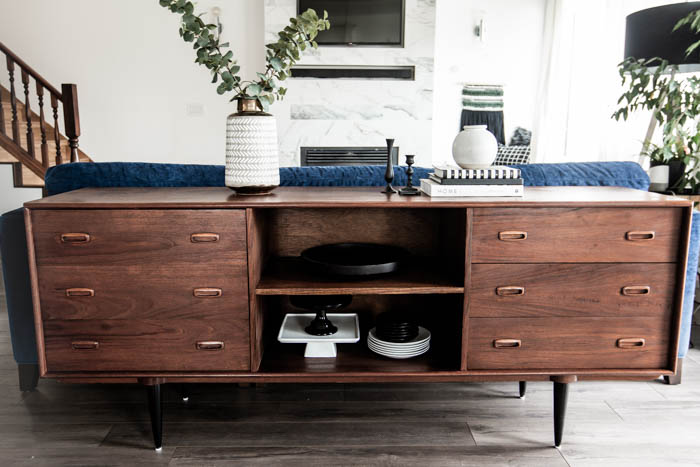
x: 69, y: 177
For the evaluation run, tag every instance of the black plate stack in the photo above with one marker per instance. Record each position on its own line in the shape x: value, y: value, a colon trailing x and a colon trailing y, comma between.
x: 396, y: 327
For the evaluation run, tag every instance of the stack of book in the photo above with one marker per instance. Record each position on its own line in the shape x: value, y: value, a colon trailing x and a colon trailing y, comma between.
x: 455, y: 181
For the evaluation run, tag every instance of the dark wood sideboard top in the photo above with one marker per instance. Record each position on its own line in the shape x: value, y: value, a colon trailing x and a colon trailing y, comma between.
x: 221, y: 197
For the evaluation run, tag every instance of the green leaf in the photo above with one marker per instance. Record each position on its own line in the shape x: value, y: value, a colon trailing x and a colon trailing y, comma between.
x: 253, y: 89
x: 276, y: 64
x: 165, y: 3
x: 234, y: 69
x: 189, y: 36
x: 227, y: 76
x: 202, y: 41
x: 221, y: 88
x: 189, y: 8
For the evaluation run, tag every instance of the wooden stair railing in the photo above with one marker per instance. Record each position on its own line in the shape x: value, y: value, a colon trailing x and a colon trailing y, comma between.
x: 21, y: 74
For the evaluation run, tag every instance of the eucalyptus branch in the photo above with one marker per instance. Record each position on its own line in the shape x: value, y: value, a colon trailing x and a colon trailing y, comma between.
x: 280, y: 56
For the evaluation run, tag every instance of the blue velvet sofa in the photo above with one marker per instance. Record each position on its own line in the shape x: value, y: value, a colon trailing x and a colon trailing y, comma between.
x: 69, y: 177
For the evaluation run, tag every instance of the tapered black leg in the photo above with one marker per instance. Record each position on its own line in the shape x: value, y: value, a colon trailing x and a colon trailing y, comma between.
x: 523, y: 388
x: 155, y: 406
x: 561, y: 393
x: 28, y: 376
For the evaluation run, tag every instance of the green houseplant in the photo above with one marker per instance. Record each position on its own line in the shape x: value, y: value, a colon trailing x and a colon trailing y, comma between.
x: 252, y: 162
x: 653, y: 85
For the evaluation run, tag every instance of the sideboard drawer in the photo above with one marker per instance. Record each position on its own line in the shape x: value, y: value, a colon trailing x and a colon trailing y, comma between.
x: 566, y: 235
x: 148, y: 236
x: 146, y: 345
x: 566, y: 343
x: 197, y: 291
x: 604, y: 289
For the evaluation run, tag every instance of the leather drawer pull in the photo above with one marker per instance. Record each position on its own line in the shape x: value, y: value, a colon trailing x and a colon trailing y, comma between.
x: 209, y: 345
x: 631, y: 343
x: 204, y: 237
x: 640, y: 236
x: 207, y: 292
x: 80, y: 292
x: 636, y: 290
x: 506, y: 343
x: 510, y: 290
x: 85, y: 345
x: 512, y: 236
x: 75, y: 237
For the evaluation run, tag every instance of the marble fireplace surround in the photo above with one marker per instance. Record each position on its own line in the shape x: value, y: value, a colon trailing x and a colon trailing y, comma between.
x: 359, y: 112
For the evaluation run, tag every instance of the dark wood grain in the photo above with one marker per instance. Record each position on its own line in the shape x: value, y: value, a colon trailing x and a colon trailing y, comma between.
x: 352, y: 358
x: 572, y: 290
x: 556, y: 235
x: 139, y: 237
x: 36, y: 297
x: 290, y: 276
x: 683, y: 255
x: 147, y: 345
x: 309, y: 197
x: 422, y: 232
x: 145, y: 291
x: 468, y: 270
x: 572, y: 342
x: 256, y: 228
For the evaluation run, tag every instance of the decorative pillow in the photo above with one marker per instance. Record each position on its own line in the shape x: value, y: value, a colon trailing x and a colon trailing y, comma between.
x: 521, y: 137
x: 508, y: 155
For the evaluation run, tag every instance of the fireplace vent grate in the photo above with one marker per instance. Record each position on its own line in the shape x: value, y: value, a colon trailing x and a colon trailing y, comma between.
x: 346, y: 156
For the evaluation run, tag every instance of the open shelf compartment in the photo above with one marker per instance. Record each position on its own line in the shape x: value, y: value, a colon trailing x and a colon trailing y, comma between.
x: 441, y: 314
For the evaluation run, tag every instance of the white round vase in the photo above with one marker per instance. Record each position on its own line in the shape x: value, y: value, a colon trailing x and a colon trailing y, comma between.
x: 252, y: 155
x: 475, y: 147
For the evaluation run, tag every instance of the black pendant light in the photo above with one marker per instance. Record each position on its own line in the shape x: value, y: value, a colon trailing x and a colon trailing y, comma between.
x: 650, y: 34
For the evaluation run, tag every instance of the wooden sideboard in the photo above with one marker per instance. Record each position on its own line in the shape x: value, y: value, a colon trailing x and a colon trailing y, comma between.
x: 160, y: 285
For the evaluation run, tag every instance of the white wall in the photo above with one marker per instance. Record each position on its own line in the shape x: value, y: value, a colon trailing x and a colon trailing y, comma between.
x: 141, y: 96
x: 10, y: 197
x: 509, y: 55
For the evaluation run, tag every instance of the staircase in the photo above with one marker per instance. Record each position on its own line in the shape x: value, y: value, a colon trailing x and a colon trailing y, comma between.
x: 34, y: 116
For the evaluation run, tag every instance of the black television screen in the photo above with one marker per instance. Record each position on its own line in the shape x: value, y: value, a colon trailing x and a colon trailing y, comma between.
x: 359, y: 22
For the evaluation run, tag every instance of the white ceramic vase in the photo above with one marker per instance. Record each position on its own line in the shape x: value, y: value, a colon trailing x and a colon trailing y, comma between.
x: 475, y: 147
x: 252, y: 154
x: 658, y: 178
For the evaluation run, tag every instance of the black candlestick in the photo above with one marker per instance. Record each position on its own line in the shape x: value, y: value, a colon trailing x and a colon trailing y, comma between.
x: 389, y: 174
x: 409, y: 189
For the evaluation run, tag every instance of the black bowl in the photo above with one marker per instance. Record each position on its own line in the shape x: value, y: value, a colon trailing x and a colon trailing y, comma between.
x: 354, y: 259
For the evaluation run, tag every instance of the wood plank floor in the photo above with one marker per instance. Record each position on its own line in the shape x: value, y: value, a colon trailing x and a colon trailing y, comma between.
x: 608, y: 423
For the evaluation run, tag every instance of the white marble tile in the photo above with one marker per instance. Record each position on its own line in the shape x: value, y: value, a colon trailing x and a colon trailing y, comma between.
x: 332, y: 112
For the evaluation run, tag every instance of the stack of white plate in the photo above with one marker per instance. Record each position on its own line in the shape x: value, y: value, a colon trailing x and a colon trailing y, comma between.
x: 416, y: 346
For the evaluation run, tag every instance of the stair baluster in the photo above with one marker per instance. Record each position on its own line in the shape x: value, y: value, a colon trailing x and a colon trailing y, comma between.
x: 36, y: 157
x: 28, y: 114
x: 2, y: 116
x: 56, y: 134
x: 42, y: 117
x: 13, y: 100
x: 71, y: 118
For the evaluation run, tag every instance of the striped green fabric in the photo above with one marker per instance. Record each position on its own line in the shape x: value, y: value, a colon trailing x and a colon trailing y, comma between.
x: 482, y: 97
x: 482, y: 90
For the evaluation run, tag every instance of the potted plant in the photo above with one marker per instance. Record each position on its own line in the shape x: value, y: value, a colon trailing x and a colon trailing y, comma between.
x: 252, y: 160
x: 653, y: 84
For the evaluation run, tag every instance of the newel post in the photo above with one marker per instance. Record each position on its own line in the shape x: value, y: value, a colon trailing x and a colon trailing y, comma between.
x: 71, y: 118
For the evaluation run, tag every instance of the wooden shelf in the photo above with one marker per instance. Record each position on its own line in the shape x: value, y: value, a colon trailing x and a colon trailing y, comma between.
x: 289, y: 276
x: 352, y: 358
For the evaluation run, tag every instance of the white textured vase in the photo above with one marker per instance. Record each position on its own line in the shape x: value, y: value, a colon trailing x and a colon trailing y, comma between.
x: 475, y: 147
x: 252, y: 152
